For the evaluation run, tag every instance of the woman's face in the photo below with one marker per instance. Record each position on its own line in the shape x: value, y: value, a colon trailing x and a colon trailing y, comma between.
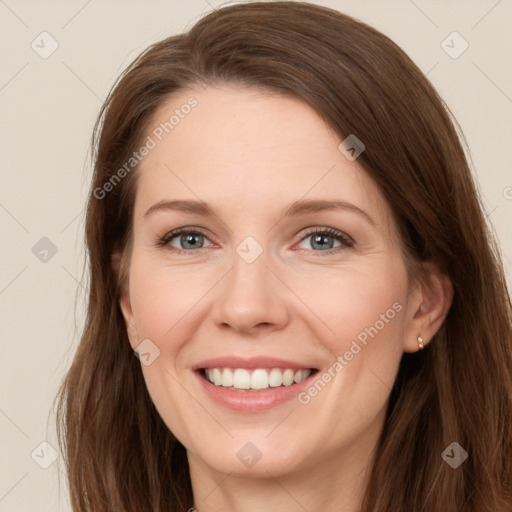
x: 269, y: 282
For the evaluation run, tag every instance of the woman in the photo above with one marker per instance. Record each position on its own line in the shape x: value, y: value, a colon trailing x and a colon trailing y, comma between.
x: 283, y: 228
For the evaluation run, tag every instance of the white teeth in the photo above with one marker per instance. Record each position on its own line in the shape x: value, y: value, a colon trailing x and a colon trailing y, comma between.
x: 227, y: 378
x: 275, y: 378
x: 240, y: 378
x: 259, y: 379
x: 288, y: 377
x: 217, y: 377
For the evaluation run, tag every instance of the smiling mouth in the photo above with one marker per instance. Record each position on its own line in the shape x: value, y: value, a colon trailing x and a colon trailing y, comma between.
x: 259, y: 379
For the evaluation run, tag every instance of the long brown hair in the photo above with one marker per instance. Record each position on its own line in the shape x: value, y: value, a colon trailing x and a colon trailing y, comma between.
x: 120, y: 455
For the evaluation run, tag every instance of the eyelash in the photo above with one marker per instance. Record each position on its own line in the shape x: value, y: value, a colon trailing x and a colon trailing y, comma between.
x: 345, y: 240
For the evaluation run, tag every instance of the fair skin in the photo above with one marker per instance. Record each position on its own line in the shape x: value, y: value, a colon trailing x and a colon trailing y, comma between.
x: 249, y: 154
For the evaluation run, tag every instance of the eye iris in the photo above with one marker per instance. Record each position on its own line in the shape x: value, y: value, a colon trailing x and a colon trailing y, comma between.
x: 188, y: 239
x: 193, y: 240
x: 321, y: 239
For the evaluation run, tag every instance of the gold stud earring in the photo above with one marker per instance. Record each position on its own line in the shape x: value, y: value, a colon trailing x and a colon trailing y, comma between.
x: 420, y: 342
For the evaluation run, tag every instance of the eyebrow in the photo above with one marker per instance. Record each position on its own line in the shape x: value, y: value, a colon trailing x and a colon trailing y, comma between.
x: 297, y: 208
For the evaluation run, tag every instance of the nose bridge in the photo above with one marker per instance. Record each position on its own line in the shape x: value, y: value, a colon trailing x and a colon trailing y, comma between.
x: 250, y: 293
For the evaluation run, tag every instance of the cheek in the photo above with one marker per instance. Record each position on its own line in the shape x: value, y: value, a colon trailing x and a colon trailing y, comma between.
x: 339, y: 304
x: 363, y: 324
x: 361, y: 304
x: 162, y: 296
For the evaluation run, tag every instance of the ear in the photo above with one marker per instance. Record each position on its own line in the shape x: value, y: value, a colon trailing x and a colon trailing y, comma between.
x: 124, y: 301
x: 428, y: 305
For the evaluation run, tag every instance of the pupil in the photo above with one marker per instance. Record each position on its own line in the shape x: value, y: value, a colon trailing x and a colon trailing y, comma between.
x: 189, y: 239
x: 321, y: 240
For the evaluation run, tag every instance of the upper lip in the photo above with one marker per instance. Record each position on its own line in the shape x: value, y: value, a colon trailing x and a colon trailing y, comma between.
x: 249, y: 363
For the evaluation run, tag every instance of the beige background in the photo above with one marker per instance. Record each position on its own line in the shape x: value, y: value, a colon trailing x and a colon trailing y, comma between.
x: 48, y: 107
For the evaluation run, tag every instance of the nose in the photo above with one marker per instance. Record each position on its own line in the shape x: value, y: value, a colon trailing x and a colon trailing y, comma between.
x: 252, y: 298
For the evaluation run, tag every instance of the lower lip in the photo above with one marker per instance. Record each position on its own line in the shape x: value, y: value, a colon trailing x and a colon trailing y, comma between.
x: 252, y: 401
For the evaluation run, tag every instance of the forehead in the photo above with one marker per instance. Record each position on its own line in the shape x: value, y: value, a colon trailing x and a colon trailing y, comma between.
x: 252, y: 147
